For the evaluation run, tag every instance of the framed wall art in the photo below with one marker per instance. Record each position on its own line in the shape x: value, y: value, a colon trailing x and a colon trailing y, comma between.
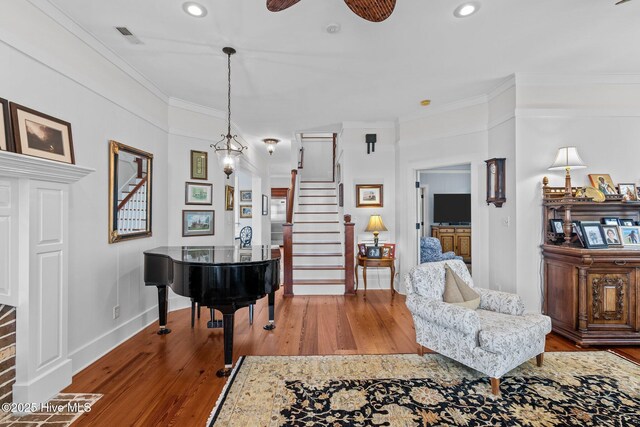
x: 603, y: 182
x: 369, y: 196
x: 40, y: 135
x: 198, y: 223
x: 199, y: 165
x: 198, y: 194
x: 246, y: 196
x: 5, y: 126
x: 341, y: 195
x: 229, y: 193
x: 265, y: 205
x: 246, y: 212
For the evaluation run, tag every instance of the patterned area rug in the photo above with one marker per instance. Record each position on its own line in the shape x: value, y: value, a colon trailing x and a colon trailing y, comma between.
x: 61, y: 411
x: 571, y: 389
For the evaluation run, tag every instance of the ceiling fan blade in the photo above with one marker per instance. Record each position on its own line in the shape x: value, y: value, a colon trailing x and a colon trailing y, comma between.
x: 278, y: 5
x: 372, y: 10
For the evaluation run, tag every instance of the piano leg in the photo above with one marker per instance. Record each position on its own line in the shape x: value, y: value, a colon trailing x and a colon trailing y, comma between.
x: 227, y: 320
x: 272, y: 300
x: 193, y: 312
x: 251, y: 314
x: 163, y: 309
x: 213, y: 323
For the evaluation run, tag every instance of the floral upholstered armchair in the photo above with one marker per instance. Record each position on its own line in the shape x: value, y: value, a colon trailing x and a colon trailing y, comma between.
x: 431, y: 251
x: 493, y: 339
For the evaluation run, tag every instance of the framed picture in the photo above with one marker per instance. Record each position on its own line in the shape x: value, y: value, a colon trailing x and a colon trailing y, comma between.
x: 630, y: 235
x: 246, y: 196
x: 5, y: 126
x: 229, y: 193
x: 199, y: 165
x: 578, y: 232
x: 265, y: 205
x: 609, y: 221
x: 369, y: 196
x: 603, y: 182
x: 556, y: 226
x: 629, y: 192
x: 39, y: 135
x: 627, y: 222
x: 374, y: 251
x: 245, y: 257
x: 362, y: 249
x: 389, y: 250
x: 246, y: 211
x: 593, y: 235
x: 341, y: 195
x: 198, y: 223
x: 612, y: 235
x: 198, y: 194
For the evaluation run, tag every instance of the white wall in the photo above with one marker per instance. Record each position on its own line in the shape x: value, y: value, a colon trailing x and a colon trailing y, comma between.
x: 442, y: 137
x: 318, y: 161
x: 358, y: 167
x: 65, y: 78
x: 600, y: 115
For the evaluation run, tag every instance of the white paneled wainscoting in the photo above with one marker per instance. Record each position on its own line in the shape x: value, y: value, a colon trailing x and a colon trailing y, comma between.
x: 34, y: 245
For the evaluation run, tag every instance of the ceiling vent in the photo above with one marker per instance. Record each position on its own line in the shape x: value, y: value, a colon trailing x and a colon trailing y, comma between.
x: 127, y: 34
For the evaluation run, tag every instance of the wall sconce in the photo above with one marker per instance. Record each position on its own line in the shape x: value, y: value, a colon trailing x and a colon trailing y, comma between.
x: 271, y: 144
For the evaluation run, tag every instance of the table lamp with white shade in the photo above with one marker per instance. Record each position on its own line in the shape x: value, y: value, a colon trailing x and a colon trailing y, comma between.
x: 567, y: 158
x: 376, y: 225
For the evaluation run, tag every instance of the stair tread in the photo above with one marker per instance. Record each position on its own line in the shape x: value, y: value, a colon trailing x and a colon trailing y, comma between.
x: 318, y: 267
x: 320, y: 255
x: 319, y: 282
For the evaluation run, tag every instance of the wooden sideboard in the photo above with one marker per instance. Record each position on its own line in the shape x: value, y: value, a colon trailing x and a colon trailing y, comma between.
x: 454, y: 238
x: 591, y: 295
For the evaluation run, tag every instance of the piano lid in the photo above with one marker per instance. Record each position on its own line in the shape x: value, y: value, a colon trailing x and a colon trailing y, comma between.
x: 216, y: 255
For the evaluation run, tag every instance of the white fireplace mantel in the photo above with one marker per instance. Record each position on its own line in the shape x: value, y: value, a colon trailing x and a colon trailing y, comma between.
x: 34, y: 247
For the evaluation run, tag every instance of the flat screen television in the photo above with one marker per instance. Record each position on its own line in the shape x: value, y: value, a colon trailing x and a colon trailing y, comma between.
x: 452, y: 208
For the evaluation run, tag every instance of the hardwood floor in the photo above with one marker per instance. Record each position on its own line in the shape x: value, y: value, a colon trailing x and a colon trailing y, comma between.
x: 170, y: 380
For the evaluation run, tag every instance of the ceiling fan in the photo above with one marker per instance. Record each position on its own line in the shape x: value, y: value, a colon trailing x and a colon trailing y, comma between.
x: 371, y: 10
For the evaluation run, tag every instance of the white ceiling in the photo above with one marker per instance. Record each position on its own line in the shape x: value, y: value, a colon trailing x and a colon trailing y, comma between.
x: 290, y: 75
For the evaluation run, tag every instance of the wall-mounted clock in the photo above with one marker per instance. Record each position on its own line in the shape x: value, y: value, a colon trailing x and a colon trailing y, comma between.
x: 496, y: 193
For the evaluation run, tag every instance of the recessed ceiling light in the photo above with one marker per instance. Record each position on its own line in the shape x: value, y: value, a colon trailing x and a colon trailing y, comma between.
x: 425, y: 102
x: 466, y: 9
x: 333, y: 28
x: 194, y: 9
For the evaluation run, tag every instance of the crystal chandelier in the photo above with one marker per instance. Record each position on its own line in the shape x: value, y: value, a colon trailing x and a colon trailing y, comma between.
x: 228, y: 148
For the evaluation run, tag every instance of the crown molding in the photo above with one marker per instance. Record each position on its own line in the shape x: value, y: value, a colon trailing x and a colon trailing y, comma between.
x: 576, y: 112
x: 417, y: 142
x: 197, y: 108
x: 65, y: 21
x: 444, y: 108
x: 540, y: 79
x: 504, y: 86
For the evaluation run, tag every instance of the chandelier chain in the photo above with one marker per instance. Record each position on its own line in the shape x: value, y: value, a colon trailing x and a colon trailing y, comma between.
x: 229, y: 99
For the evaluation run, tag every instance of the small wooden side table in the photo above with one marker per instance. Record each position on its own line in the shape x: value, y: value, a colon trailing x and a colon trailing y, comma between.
x: 365, y: 262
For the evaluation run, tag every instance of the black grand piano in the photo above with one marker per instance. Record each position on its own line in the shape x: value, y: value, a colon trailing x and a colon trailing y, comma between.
x: 224, y: 278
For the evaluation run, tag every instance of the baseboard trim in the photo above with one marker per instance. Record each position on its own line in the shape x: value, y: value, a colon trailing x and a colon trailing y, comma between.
x: 94, y: 350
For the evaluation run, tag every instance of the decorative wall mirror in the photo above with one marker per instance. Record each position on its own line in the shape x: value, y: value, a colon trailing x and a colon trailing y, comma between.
x: 129, y: 192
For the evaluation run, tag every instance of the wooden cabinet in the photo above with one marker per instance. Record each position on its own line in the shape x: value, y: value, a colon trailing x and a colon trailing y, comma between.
x: 454, y: 238
x: 591, y: 295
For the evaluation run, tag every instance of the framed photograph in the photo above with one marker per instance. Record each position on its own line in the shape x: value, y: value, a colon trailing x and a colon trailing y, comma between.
x: 369, y: 196
x: 630, y: 235
x: 246, y: 211
x: 199, y: 165
x: 610, y: 221
x: 198, y: 194
x: 265, y: 205
x: 603, y: 182
x: 556, y: 226
x: 389, y: 250
x: 362, y: 249
x: 246, y: 196
x: 198, y: 223
x: 629, y: 191
x: 245, y: 257
x: 374, y: 251
x: 5, y: 126
x: 341, y: 195
x: 593, y: 235
x: 578, y: 232
x: 229, y: 193
x: 627, y: 222
x: 39, y: 135
x: 612, y: 235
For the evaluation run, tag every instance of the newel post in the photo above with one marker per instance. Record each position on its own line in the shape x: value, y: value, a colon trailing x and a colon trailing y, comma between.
x: 348, y: 256
x: 287, y: 231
